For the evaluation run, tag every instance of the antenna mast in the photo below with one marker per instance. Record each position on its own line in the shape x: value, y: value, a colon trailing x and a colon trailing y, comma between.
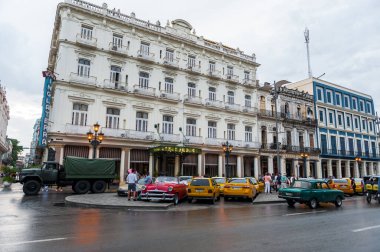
x: 307, y: 39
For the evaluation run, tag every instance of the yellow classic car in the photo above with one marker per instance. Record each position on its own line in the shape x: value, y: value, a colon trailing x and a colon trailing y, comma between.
x: 203, y: 188
x: 344, y: 185
x: 240, y: 188
x: 259, y: 185
x: 220, y: 181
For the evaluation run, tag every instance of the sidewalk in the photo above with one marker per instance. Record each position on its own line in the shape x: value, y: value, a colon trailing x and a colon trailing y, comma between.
x: 268, y: 198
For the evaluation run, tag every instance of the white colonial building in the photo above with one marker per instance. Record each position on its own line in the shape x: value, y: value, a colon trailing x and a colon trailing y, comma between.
x: 166, y: 99
x: 4, y: 118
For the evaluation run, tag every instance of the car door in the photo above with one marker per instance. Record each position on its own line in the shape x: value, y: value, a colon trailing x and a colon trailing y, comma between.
x: 328, y: 193
x: 317, y: 191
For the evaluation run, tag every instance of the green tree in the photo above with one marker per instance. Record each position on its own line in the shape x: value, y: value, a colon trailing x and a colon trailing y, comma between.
x: 16, y: 150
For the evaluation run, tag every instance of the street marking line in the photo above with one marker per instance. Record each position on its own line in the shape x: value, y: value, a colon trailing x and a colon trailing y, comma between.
x: 34, y: 241
x: 365, y: 229
x: 322, y: 211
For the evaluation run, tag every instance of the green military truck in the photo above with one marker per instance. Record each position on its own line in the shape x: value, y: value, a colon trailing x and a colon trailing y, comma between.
x: 81, y: 173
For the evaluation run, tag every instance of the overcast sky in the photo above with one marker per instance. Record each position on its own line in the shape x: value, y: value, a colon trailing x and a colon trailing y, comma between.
x: 344, y: 42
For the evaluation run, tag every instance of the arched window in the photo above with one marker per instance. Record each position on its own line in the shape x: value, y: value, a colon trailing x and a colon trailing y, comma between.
x: 191, y: 127
x: 79, y: 115
x: 112, y: 118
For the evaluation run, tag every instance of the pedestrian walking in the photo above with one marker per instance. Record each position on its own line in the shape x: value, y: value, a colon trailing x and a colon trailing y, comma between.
x: 284, y: 181
x: 353, y: 185
x: 267, y: 180
x: 131, y: 181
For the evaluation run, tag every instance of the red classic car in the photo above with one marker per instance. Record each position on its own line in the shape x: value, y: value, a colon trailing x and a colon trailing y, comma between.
x: 165, y: 188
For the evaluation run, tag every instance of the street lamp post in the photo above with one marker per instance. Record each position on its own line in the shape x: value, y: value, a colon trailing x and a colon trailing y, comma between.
x: 304, y: 155
x: 95, y: 138
x: 227, y: 149
x: 275, y: 92
x: 358, y: 159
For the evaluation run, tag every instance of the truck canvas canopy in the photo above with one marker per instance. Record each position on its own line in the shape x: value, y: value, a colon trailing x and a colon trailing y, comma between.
x: 76, y: 167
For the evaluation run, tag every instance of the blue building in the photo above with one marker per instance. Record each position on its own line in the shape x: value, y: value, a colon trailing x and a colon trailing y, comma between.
x: 346, y: 131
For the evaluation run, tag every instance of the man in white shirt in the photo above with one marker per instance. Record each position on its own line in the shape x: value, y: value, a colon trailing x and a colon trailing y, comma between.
x: 131, y: 181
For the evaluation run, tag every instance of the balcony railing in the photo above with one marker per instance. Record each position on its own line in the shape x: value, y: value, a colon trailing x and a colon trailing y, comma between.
x: 299, y: 149
x: 255, y: 145
x: 194, y: 140
x: 350, y: 153
x: 193, y: 99
x: 249, y: 109
x: 230, y: 106
x: 141, y: 135
x: 148, y: 91
x: 170, y: 138
x: 268, y: 113
x: 214, y: 73
x: 145, y: 55
x: 171, y: 62
x: 215, y: 141
x: 249, y: 82
x: 87, y: 41
x: 170, y: 96
x: 77, y: 129
x: 232, y: 77
x: 193, y: 68
x: 214, y: 103
x: 82, y: 79
x: 119, y: 49
x: 116, y: 85
x: 235, y: 143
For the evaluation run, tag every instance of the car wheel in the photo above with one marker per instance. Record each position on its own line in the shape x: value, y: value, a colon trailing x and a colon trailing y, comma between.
x: 189, y: 200
x: 176, y: 199
x: 338, y: 201
x: 82, y: 187
x: 313, y: 203
x: 31, y: 187
x: 369, y: 198
x: 290, y: 202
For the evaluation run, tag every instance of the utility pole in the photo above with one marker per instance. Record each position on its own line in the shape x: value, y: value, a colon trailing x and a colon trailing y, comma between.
x: 307, y: 40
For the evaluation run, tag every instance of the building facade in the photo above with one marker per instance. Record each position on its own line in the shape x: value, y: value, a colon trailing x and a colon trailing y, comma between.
x: 4, y: 118
x: 347, y: 134
x: 35, y: 152
x: 166, y: 99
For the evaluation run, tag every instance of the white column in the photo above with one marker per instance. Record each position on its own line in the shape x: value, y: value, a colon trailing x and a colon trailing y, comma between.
x: 97, y: 152
x: 242, y: 166
x: 220, y: 165
x: 151, y: 161
x: 348, y: 170
x: 356, y: 169
x: 295, y: 168
x: 200, y: 165
x: 364, y: 168
x: 307, y: 164
x: 329, y: 168
x: 339, y: 168
x: 122, y: 164
x: 204, y: 163
x: 238, y: 165
x: 61, y: 155
x: 283, y: 164
x: 270, y: 165
x: 371, y: 169
x: 90, y: 153
x: 319, y: 168
x: 256, y: 161
x: 128, y: 151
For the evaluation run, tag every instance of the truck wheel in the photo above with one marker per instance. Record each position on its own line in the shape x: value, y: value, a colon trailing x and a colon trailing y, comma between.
x: 31, y: 187
x: 99, y: 186
x: 82, y: 187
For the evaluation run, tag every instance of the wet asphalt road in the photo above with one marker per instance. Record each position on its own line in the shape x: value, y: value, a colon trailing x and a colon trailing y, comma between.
x: 42, y: 223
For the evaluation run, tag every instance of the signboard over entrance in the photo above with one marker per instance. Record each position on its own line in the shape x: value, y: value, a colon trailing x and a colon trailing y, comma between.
x: 176, y: 149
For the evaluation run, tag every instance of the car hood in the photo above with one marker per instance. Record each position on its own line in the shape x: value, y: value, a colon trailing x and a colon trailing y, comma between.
x: 30, y: 171
x: 160, y: 186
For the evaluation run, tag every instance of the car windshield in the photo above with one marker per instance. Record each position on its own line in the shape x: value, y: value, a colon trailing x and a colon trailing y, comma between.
x: 200, y: 182
x: 238, y: 181
x: 142, y: 181
x: 220, y: 180
x: 185, y: 178
x: 301, y: 184
x: 253, y: 180
x: 166, y: 180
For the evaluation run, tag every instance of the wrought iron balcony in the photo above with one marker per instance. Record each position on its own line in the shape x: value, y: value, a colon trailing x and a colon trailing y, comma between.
x: 193, y: 99
x: 171, y: 62
x: 145, y: 55
x: 214, y: 103
x: 215, y: 141
x: 249, y: 110
x: 232, y: 77
x: 193, y: 68
x: 193, y: 140
x: 170, y: 138
x: 232, y: 106
x: 118, y: 49
x: 171, y: 96
x: 268, y: 113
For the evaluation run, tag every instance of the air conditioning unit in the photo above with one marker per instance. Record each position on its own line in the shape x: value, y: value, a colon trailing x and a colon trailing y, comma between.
x: 229, y: 77
x: 208, y: 103
x: 245, y: 110
x: 149, y: 137
x: 114, y: 48
x: 123, y: 135
x: 163, y: 95
x: 247, y: 146
x: 190, y: 67
x: 227, y: 107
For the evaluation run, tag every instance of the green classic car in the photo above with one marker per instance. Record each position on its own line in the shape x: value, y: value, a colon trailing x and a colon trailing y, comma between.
x: 311, y: 192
